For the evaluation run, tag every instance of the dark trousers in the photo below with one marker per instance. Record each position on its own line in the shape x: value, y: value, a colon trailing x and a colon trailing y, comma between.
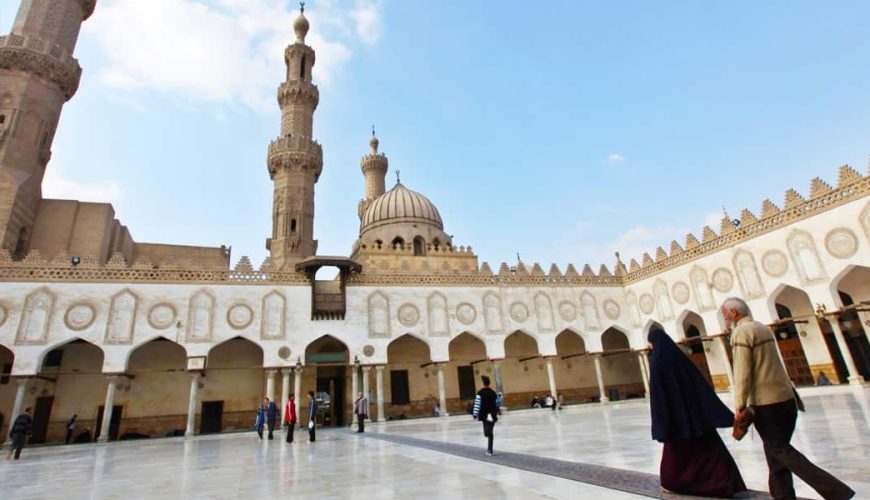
x: 69, y: 433
x: 360, y: 422
x: 260, y: 431
x: 775, y: 424
x: 311, y: 433
x: 17, y: 444
x: 487, y: 431
x: 271, y: 428
x: 290, y: 427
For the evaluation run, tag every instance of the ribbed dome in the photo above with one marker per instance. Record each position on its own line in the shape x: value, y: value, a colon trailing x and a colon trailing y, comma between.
x: 400, y: 204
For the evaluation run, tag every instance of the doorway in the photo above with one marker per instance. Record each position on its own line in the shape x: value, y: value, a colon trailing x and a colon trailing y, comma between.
x: 114, y: 424
x: 331, y: 381
x: 41, y: 415
x: 211, y: 417
x: 465, y: 374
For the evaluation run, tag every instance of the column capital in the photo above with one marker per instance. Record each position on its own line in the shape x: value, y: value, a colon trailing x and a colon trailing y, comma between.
x: 270, y: 372
x: 380, y: 368
x: 366, y: 368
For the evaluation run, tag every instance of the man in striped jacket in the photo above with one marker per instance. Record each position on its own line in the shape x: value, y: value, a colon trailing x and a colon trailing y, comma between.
x: 486, y: 410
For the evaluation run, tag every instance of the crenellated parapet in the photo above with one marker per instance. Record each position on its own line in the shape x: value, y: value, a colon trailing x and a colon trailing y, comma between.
x: 32, y: 54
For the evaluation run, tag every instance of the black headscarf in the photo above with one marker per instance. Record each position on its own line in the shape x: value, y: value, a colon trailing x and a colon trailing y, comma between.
x: 682, y: 403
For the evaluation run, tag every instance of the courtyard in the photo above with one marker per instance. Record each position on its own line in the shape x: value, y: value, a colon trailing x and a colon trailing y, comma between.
x: 425, y: 458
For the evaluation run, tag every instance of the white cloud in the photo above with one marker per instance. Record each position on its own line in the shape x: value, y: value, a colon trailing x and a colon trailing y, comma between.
x: 615, y: 157
x: 228, y: 51
x: 54, y: 186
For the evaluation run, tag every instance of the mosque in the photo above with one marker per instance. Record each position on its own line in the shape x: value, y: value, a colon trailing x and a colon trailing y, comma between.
x: 149, y: 339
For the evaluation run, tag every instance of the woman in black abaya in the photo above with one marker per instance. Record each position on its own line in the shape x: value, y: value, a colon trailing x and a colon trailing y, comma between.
x: 685, y: 415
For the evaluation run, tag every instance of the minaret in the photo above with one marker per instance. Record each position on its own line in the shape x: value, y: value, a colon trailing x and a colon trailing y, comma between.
x: 37, y: 76
x: 374, y: 167
x: 295, y: 159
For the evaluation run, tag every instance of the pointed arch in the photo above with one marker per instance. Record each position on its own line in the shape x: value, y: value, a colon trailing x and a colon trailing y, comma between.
x: 467, y: 347
x: 853, y: 280
x: 520, y: 344
x: 615, y: 338
x: 569, y: 342
x: 650, y: 325
x: 86, y: 353
x: 235, y: 352
x: 409, y: 348
x: 327, y: 349
x: 170, y: 352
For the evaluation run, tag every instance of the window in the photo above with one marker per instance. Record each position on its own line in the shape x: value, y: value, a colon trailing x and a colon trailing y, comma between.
x: 21, y: 244
x: 4, y: 377
x: 398, y: 242
x: 302, y: 68
x: 436, y: 243
x: 53, y: 358
x: 399, y: 389
x: 419, y: 246
x: 2, y: 119
x: 379, y: 243
x: 292, y: 225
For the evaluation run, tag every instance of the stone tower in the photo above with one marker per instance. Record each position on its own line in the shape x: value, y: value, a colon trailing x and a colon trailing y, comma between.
x: 374, y: 167
x: 37, y: 76
x: 295, y: 159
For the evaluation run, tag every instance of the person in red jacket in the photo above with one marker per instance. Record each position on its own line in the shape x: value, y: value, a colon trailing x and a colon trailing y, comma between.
x: 290, y: 417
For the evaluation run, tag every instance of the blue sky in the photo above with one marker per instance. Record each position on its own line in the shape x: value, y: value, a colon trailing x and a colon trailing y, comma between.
x: 561, y: 130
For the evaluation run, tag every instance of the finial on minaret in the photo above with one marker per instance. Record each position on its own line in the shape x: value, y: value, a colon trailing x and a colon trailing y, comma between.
x: 373, y: 142
x: 300, y: 26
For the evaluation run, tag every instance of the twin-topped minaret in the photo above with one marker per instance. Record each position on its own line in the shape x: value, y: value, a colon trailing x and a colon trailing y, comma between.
x: 38, y: 74
x: 295, y: 160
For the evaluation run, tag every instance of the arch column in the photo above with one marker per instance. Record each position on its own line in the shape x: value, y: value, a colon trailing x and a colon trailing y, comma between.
x: 644, y: 371
x: 285, y: 388
x: 442, y: 389
x: 496, y: 372
x: 20, y: 391
x: 107, y: 408
x: 297, y: 385
x: 190, y: 431
x: 379, y: 376
x: 354, y: 390
x: 851, y: 370
x: 270, y: 384
x: 365, y: 385
x: 551, y: 376
x: 601, y: 391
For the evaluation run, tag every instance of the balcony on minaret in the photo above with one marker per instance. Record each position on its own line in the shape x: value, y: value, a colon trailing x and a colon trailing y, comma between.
x: 32, y: 54
x: 299, y: 152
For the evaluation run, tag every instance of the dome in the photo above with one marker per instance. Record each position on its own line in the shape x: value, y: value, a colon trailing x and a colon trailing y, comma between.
x: 398, y: 205
x: 300, y: 26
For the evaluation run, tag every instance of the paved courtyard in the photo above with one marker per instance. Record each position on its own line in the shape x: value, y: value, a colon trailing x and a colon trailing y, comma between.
x: 835, y: 433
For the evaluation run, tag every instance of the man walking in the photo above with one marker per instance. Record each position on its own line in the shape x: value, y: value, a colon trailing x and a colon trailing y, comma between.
x: 486, y: 410
x: 290, y: 417
x: 361, y: 410
x: 760, y: 381
x: 312, y: 415
x: 21, y: 428
x: 271, y: 415
x: 71, y: 427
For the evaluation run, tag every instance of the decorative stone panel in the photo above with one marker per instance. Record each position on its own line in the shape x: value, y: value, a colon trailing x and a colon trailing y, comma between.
x: 122, y: 318
x: 519, y: 312
x: 723, y: 280
x: 590, y: 311
x: 273, y: 312
x: 647, y: 303
x: 567, y: 311
x: 409, y: 315
x: 240, y: 316
x: 747, y: 273
x: 611, y: 309
x: 774, y: 263
x: 663, y: 299
x: 379, y: 315
x: 80, y: 316
x: 492, y: 313
x: 36, y: 317
x: 841, y: 243
x: 703, y: 289
x: 680, y: 292
x: 466, y: 313
x: 805, y: 257
x: 162, y: 316
x: 437, y: 312
x: 200, y: 317
x: 544, y: 312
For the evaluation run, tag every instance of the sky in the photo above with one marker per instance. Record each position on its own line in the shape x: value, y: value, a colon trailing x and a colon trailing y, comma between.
x: 560, y: 131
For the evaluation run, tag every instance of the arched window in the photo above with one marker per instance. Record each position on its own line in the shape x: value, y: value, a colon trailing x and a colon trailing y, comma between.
x: 302, y: 68
x: 398, y: 242
x: 419, y: 246
x: 436, y: 243
x: 379, y: 243
x: 20, y: 244
x: 2, y: 119
x: 696, y: 347
x: 292, y: 225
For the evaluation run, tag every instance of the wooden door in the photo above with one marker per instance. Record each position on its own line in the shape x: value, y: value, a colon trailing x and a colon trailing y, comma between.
x: 41, y: 415
x: 796, y: 362
x: 700, y: 361
x: 211, y: 417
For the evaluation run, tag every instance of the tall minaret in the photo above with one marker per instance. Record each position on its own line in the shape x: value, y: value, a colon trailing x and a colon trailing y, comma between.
x: 295, y: 159
x: 37, y: 76
x: 374, y: 167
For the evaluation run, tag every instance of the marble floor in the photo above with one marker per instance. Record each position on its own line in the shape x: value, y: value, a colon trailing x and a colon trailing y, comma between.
x: 834, y: 433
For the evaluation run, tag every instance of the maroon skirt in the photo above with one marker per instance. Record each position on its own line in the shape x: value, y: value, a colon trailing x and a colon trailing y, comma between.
x: 700, y: 467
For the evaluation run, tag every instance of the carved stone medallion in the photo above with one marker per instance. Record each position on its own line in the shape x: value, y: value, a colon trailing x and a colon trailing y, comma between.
x: 161, y: 316
x: 466, y: 313
x: 647, y: 303
x: 841, y: 243
x: 723, y: 280
x: 240, y: 316
x: 611, y: 309
x: 368, y: 351
x: 79, y: 316
x: 680, y: 291
x: 774, y: 263
x: 519, y: 312
x: 283, y: 351
x: 409, y: 315
x: 568, y: 311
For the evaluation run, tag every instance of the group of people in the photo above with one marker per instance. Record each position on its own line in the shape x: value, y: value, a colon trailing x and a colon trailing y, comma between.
x: 547, y: 401
x: 686, y: 412
x: 267, y: 416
